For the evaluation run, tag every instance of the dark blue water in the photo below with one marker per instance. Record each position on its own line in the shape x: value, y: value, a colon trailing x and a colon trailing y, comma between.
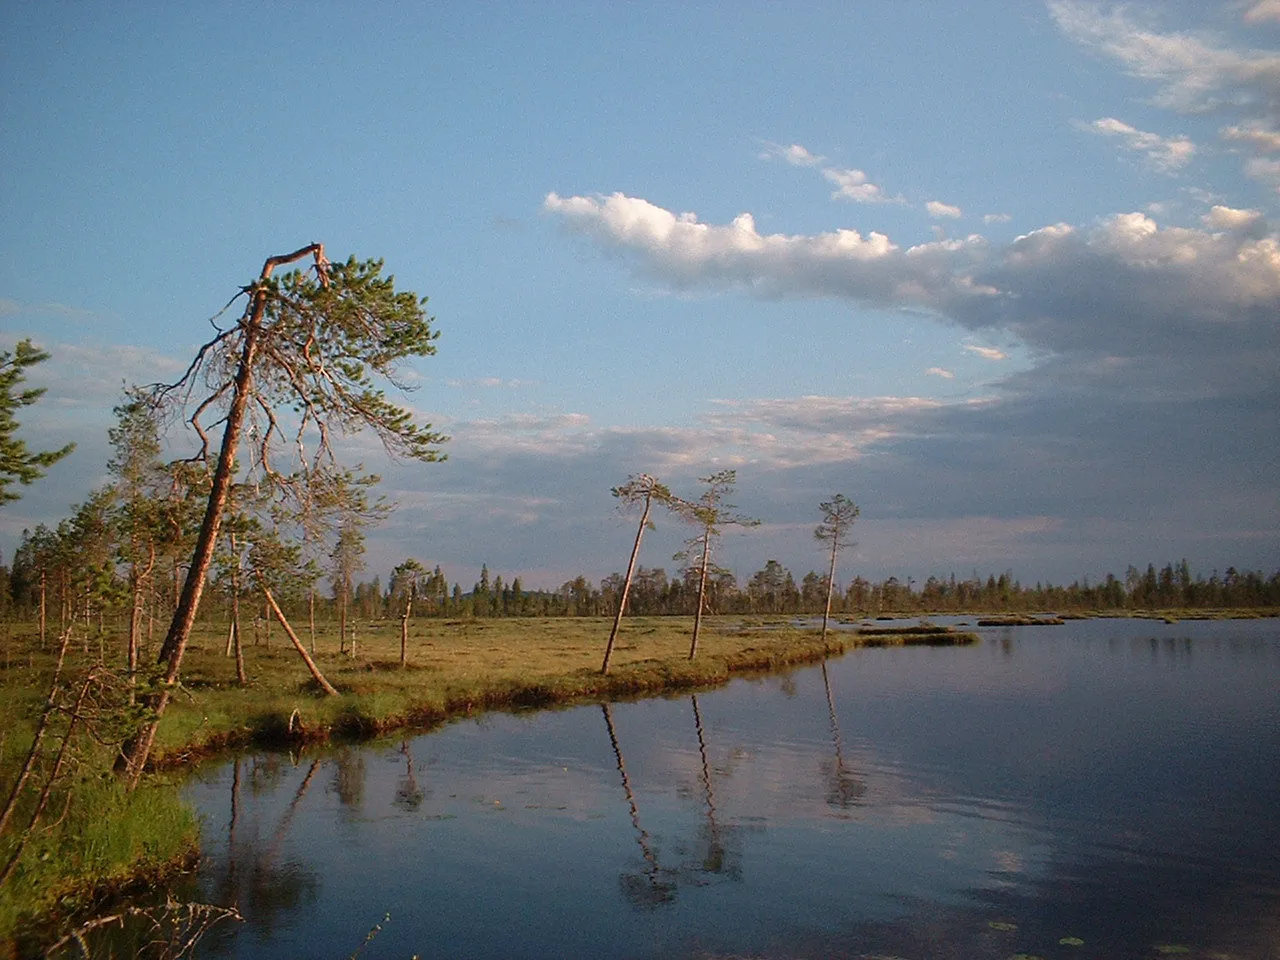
x: 1099, y: 789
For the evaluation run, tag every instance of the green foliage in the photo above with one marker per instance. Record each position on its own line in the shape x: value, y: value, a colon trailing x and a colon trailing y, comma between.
x: 17, y: 463
x: 838, y: 515
x: 327, y: 341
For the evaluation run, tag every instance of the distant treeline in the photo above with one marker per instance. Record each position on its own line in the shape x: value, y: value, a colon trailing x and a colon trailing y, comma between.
x: 774, y: 590
x: 96, y: 590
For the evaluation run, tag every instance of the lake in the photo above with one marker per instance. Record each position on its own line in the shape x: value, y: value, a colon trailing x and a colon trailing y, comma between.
x: 1105, y: 788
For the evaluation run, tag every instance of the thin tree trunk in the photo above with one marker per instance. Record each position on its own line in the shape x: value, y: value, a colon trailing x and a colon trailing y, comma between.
x: 50, y: 704
x: 311, y: 617
x: 702, y: 591
x: 297, y: 644
x: 42, y: 608
x: 831, y: 583
x: 49, y: 783
x: 241, y: 678
x: 626, y: 585
x: 342, y: 619
x: 404, y: 631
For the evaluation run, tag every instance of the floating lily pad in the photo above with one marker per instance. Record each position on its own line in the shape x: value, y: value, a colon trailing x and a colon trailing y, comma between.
x: 1071, y: 942
x: 1002, y: 926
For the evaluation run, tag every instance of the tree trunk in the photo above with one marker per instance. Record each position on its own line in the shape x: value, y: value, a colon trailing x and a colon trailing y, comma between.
x: 297, y: 644
x: 626, y: 585
x: 184, y: 617
x: 42, y: 608
x: 311, y: 617
x: 702, y: 591
x: 33, y: 753
x: 404, y: 630
x: 342, y: 619
x: 50, y: 782
x: 831, y: 583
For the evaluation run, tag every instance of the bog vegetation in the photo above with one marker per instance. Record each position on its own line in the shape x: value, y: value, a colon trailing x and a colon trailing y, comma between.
x: 221, y: 596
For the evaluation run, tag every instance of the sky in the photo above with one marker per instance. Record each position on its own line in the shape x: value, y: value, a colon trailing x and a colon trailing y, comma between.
x: 1006, y: 274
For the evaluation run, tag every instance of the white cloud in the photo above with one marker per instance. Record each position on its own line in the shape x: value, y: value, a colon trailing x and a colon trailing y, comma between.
x: 1263, y: 10
x: 845, y: 263
x: 1196, y: 72
x: 1228, y: 218
x: 996, y: 218
x: 987, y: 353
x: 795, y: 154
x: 1124, y: 287
x: 854, y: 185
x: 937, y: 209
x: 940, y: 372
x: 1261, y: 137
x: 1160, y: 153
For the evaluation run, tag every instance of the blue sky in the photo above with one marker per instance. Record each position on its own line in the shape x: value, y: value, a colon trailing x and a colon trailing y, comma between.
x: 1004, y: 273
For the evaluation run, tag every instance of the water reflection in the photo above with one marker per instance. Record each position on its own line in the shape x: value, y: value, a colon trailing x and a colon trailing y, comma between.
x: 844, y: 788
x: 651, y: 886
x: 409, y: 795
x: 898, y: 802
x: 250, y: 876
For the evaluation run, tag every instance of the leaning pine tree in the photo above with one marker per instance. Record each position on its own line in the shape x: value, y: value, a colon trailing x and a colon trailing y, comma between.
x: 315, y: 347
x: 838, y: 515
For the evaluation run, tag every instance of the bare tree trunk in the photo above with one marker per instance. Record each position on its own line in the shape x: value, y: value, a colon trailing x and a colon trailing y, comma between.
x: 241, y: 678
x: 702, y: 591
x: 42, y: 607
x: 626, y: 585
x: 311, y: 617
x: 831, y: 583
x: 342, y: 619
x: 297, y: 644
x: 404, y: 630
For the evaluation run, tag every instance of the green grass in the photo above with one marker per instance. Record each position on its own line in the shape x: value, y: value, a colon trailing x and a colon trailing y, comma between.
x: 460, y: 666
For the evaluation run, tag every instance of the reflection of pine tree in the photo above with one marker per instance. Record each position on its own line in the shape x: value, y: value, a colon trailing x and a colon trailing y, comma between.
x: 651, y: 887
x: 717, y: 848
x: 250, y: 878
x: 844, y: 787
x: 348, y: 778
x: 409, y: 795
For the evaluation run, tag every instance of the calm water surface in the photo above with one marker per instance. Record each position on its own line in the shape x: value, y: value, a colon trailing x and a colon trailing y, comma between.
x: 1111, y: 782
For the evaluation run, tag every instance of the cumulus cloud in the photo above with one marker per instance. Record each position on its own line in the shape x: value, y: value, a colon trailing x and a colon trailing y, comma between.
x: 1228, y: 218
x: 1160, y: 153
x: 940, y: 372
x: 844, y: 263
x: 996, y: 218
x: 1126, y: 303
x: 1124, y: 282
x: 937, y: 209
x: 854, y: 185
x: 795, y: 154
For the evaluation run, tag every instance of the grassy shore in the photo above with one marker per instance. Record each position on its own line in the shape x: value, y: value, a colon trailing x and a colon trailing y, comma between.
x: 104, y: 838
x: 460, y: 666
